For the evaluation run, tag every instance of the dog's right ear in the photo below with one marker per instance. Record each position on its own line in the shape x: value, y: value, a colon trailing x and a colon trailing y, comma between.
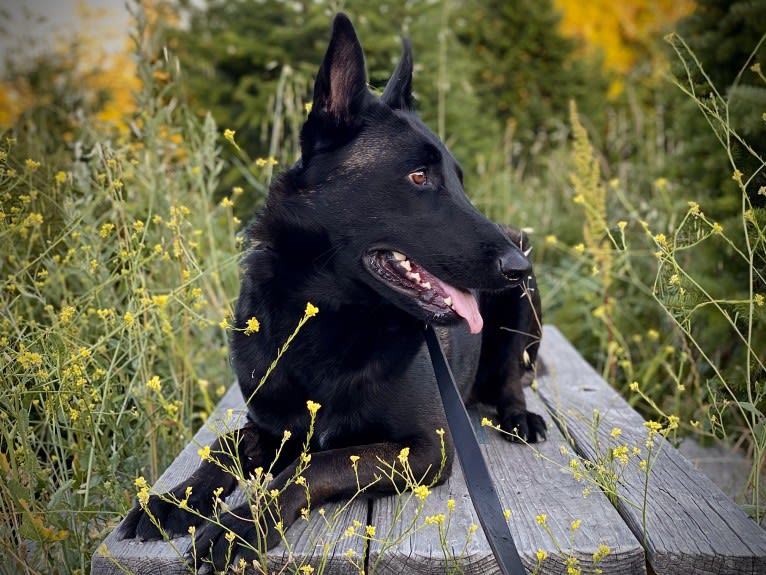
x: 340, y: 88
x: 398, y: 92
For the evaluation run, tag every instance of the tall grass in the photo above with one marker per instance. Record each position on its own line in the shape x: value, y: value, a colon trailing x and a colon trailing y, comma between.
x: 624, y: 257
x: 116, y: 273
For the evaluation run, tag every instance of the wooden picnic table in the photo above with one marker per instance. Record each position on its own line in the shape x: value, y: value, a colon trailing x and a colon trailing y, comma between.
x: 669, y: 520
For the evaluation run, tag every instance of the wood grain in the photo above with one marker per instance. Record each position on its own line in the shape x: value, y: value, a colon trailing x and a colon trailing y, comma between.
x: 311, y: 542
x: 691, y: 526
x: 531, y: 480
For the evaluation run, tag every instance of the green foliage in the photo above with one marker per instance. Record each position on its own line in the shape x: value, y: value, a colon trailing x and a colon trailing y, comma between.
x: 482, y: 68
x: 252, y: 63
x: 524, y: 69
x: 727, y: 38
x: 702, y: 366
x: 113, y: 269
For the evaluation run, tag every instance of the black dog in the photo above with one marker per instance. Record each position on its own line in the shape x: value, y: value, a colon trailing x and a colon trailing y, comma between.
x: 373, y: 227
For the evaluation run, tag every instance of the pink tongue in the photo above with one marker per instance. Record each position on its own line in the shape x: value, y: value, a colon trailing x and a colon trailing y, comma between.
x: 466, y: 307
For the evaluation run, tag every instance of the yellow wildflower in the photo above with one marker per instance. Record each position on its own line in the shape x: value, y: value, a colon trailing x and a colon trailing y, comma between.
x: 421, y: 492
x: 154, y: 383
x: 66, y: 314
x: 311, y: 310
x: 160, y: 300
x: 204, y: 453
x: 694, y: 208
x: 34, y: 220
x: 252, y: 326
x: 653, y: 426
x: 602, y: 552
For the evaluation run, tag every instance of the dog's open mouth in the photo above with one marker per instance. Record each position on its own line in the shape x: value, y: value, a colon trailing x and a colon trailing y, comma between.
x: 437, y: 297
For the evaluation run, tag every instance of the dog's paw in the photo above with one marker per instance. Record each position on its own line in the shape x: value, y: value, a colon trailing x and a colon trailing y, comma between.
x: 524, y: 427
x: 235, y: 536
x: 165, y: 510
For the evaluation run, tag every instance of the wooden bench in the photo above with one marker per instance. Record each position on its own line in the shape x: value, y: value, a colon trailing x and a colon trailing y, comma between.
x: 691, y: 526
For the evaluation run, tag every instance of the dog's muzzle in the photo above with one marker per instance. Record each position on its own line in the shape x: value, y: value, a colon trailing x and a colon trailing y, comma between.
x: 515, y: 266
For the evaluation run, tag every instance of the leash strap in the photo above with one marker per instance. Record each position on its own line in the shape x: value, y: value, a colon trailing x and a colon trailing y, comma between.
x: 477, y: 478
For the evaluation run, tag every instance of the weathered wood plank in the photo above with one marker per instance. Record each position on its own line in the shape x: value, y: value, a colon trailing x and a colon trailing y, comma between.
x: 691, y: 526
x: 530, y: 480
x: 308, y: 538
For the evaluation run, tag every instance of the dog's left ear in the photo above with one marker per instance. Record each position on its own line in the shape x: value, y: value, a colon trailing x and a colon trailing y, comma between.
x: 340, y: 89
x: 398, y: 92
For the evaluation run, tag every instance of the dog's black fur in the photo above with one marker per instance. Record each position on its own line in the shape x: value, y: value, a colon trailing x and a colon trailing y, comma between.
x: 373, y: 183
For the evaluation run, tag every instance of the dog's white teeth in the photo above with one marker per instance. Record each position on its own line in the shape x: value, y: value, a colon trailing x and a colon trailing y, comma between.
x: 406, y: 265
x: 414, y: 277
x: 399, y: 257
x: 527, y: 252
x: 448, y: 301
x: 426, y: 285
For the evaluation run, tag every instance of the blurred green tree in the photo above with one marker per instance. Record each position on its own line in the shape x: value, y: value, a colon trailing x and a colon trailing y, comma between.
x: 526, y: 70
x: 479, y: 65
x: 718, y: 58
x: 723, y: 35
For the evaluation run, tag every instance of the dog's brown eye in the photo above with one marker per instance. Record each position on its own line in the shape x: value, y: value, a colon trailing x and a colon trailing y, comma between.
x: 419, y: 178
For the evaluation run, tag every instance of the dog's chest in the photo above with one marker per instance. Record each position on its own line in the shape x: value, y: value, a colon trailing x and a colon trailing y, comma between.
x: 463, y: 351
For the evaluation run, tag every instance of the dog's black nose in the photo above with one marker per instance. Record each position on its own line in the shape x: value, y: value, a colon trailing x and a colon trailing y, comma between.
x: 514, y: 266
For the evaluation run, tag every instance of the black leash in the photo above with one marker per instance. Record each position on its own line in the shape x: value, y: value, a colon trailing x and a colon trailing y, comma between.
x: 477, y: 479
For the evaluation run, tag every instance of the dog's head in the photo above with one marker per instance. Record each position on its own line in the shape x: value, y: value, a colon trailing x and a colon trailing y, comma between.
x: 388, y: 196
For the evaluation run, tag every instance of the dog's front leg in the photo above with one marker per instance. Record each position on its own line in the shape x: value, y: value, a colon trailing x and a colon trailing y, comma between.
x: 374, y: 469
x: 510, y: 341
x: 238, y: 452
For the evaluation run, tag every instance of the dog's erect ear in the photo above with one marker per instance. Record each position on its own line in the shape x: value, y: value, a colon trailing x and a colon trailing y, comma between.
x: 398, y: 92
x: 341, y: 84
